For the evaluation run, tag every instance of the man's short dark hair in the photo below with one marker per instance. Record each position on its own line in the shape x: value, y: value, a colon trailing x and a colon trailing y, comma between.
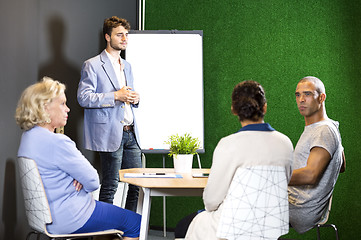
x: 320, y: 87
x: 114, y: 22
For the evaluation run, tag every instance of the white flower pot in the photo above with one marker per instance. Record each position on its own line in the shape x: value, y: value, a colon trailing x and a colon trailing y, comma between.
x: 183, y: 163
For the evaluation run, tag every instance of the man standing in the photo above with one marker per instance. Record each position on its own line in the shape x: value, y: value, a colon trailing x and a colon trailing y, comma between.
x: 318, y: 157
x: 106, y: 92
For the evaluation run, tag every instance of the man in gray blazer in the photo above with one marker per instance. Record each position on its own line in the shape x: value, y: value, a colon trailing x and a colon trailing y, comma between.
x: 106, y: 93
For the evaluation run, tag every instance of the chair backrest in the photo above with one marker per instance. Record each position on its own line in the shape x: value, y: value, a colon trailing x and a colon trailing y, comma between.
x: 326, y: 213
x: 256, y: 205
x: 36, y: 204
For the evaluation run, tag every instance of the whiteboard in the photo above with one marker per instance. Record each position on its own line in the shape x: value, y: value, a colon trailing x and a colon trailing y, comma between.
x: 168, y: 75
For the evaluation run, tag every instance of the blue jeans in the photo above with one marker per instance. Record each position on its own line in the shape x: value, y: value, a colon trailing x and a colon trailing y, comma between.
x: 127, y: 156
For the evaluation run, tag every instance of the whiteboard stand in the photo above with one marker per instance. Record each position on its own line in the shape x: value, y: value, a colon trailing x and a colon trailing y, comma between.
x: 164, y: 208
x: 164, y: 198
x: 143, y: 161
x: 141, y: 14
x: 199, y: 161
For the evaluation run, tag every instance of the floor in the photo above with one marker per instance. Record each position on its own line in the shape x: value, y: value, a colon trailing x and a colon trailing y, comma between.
x: 158, y: 235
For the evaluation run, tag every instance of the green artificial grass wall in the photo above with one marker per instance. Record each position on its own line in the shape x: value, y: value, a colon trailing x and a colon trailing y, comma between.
x: 275, y: 42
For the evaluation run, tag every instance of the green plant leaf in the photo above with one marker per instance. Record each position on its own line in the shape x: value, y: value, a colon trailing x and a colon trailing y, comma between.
x: 185, y: 144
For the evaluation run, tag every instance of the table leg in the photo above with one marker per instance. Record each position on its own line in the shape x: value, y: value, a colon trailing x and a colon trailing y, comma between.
x: 145, y: 215
x: 164, y: 218
x: 140, y: 201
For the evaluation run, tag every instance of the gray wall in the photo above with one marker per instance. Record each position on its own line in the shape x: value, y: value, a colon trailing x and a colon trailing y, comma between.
x: 44, y: 37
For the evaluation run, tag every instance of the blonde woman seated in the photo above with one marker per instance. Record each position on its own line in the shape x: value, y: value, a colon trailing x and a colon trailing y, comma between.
x: 67, y: 175
x: 255, y: 144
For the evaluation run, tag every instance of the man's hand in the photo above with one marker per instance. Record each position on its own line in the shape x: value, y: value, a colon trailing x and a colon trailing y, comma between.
x: 78, y: 186
x: 135, y: 99
x: 125, y: 94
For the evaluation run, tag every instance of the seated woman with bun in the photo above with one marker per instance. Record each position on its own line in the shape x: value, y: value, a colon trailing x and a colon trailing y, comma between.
x: 255, y: 144
x: 67, y: 176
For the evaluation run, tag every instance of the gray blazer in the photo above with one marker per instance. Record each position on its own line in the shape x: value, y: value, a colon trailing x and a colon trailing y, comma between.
x: 103, y: 116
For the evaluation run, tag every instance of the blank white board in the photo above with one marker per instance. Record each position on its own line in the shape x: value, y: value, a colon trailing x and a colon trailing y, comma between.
x: 168, y: 74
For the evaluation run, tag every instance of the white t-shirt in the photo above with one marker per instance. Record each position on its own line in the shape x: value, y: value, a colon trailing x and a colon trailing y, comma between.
x: 308, y: 202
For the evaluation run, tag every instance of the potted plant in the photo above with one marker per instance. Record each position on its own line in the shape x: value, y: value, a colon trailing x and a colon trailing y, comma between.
x: 182, y: 148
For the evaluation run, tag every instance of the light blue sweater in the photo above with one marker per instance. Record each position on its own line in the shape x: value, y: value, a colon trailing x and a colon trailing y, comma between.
x: 59, y: 163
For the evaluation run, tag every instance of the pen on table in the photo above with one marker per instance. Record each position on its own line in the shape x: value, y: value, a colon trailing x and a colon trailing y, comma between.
x: 153, y: 173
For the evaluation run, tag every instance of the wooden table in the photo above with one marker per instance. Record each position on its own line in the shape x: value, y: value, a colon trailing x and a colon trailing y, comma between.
x: 185, y: 186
